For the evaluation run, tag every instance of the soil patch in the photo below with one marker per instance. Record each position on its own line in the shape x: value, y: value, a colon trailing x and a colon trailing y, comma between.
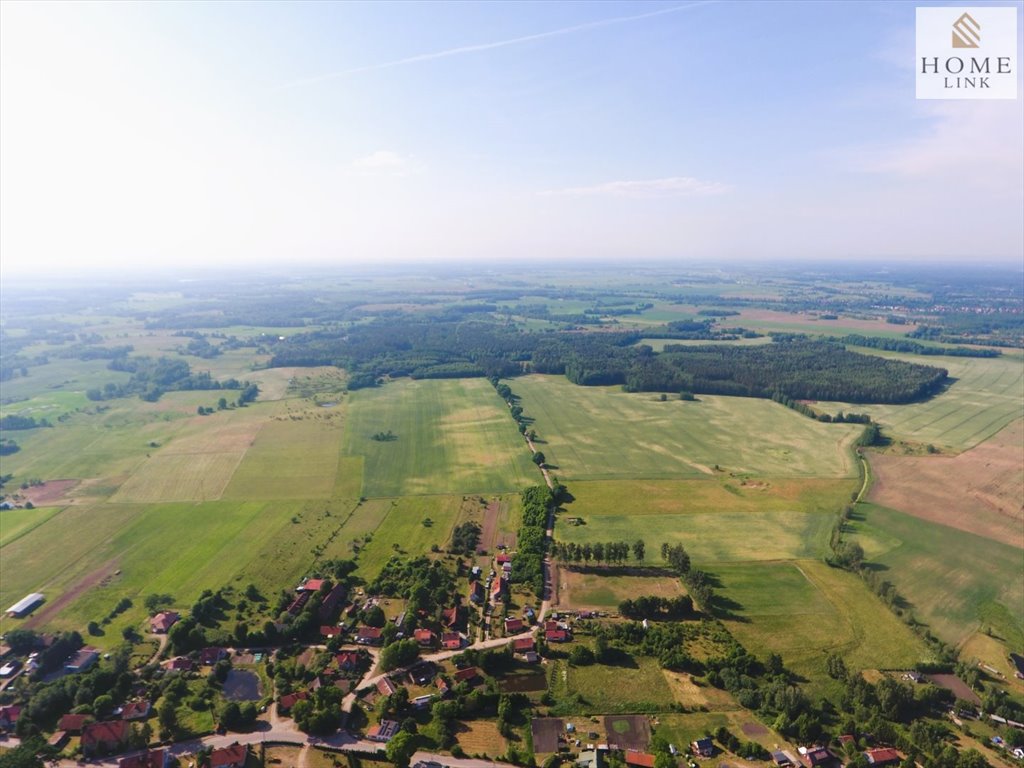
x: 546, y: 731
x: 981, y: 491
x: 242, y: 685
x: 959, y: 688
x: 489, y: 529
x: 628, y: 731
x: 753, y: 730
x: 101, y: 575
x: 49, y: 492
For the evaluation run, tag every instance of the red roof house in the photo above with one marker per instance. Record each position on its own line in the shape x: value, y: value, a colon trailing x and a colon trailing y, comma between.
x: 311, y: 585
x: 451, y: 641
x: 135, y: 710
x: 886, y: 756
x: 162, y: 622
x: 157, y: 758
x: 556, y: 636
x: 639, y: 759
x: 385, y: 687
x: 424, y: 637
x: 368, y: 636
x: 466, y: 675
x: 109, y: 736
x: 347, y: 660
x: 9, y: 715
x: 73, y: 723
x: 513, y: 625
x: 230, y: 757
x: 289, y: 700
x: 522, y: 644
x: 450, y: 616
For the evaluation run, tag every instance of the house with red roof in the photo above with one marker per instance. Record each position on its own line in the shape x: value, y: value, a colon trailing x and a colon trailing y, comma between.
x: 522, y: 644
x: 497, y: 588
x: 450, y: 617
x: 467, y: 675
x: 557, y: 636
x: 385, y: 687
x: 230, y: 757
x: 311, y: 585
x: 179, y: 663
x: 347, y: 660
x: 502, y: 558
x: 104, y: 738
x: 451, y: 641
x: 331, y: 602
x: 424, y: 637
x: 368, y: 636
x: 136, y: 710
x: 289, y: 700
x: 73, y: 723
x: 210, y: 656
x: 883, y: 756
x: 639, y: 759
x: 476, y: 593
x: 9, y: 716
x: 513, y: 625
x: 156, y: 758
x: 162, y: 622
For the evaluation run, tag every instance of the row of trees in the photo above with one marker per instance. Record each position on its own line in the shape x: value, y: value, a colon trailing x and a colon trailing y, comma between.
x: 531, y: 541
x: 610, y: 553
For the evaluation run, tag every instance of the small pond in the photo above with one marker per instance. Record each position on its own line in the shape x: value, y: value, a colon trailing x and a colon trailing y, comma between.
x: 523, y: 683
x: 242, y: 685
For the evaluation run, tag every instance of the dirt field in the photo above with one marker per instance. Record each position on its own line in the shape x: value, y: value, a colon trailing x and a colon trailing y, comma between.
x: 480, y: 737
x: 489, y: 530
x: 980, y: 491
x: 52, y: 607
x: 546, y: 731
x: 959, y: 688
x: 752, y: 730
x: 49, y: 492
x: 628, y: 731
x: 813, y: 322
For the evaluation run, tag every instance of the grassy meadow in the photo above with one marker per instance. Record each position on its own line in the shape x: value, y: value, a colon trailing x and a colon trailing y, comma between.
x: 451, y: 436
x: 598, y: 591
x: 596, y: 433
x: 955, y: 581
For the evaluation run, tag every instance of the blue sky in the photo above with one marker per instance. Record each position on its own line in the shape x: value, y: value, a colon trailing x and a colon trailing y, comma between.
x: 191, y: 133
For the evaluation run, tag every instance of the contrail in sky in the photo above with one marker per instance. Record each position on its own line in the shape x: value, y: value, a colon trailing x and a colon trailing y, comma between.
x: 490, y: 46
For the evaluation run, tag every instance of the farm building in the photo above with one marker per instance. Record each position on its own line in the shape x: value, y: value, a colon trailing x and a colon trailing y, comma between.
x: 26, y: 605
x: 81, y: 660
x: 311, y: 585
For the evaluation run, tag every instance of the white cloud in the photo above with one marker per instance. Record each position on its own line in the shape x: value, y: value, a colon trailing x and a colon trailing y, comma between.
x: 381, y: 159
x: 670, y: 186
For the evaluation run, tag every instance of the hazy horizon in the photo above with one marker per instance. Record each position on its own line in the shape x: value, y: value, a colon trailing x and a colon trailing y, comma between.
x: 198, y: 137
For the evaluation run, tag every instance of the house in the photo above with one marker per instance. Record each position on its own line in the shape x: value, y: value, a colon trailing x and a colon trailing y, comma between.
x: 442, y: 686
x: 467, y: 675
x: 329, y: 632
x: 703, y: 747
x: 296, y: 605
x: 162, y: 622
x: 846, y: 738
x: 513, y: 625
x: 639, y: 759
x: 780, y: 758
x: 591, y: 758
x: 73, y: 723
x: 289, y: 700
x: 347, y: 660
x: 497, y: 588
x: 135, y: 710
x: 450, y: 617
x: 522, y: 644
x: 551, y: 624
x: 230, y: 757
x: 105, y: 737
x: 557, y: 636
x: 503, y: 558
x: 383, y: 731
x: 368, y: 636
x: 9, y: 716
x: 25, y: 606
x: 424, y: 637
x: 332, y: 602
x: 385, y: 687
x: 59, y: 740
x: 531, y: 657
x: 81, y: 660
x: 210, y: 656
x: 451, y: 641
x: 886, y: 756
x: 476, y: 593
x: 179, y: 664
x: 424, y: 701
x: 156, y: 758
x: 310, y: 585
x: 819, y: 756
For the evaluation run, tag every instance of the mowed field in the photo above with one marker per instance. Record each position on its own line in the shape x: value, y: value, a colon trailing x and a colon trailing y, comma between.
x: 451, y: 436
x: 594, y: 433
x: 980, y: 491
x: 594, y: 590
x: 986, y: 395
x: 717, y: 520
x: 804, y: 610
x: 955, y: 581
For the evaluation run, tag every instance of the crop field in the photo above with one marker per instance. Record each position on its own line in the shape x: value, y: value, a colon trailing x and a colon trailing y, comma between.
x: 597, y: 591
x: 601, y: 691
x: 450, y: 436
x: 595, y: 433
x: 955, y: 581
x: 805, y: 610
x: 986, y: 395
x: 18, y: 522
x: 980, y: 491
x: 780, y: 519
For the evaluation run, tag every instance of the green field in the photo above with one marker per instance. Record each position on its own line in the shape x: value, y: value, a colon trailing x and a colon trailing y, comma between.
x: 594, y: 433
x: 597, y: 591
x: 409, y: 525
x: 985, y: 396
x: 955, y: 581
x: 601, y: 690
x: 804, y: 610
x: 779, y: 519
x: 452, y: 436
x: 18, y: 522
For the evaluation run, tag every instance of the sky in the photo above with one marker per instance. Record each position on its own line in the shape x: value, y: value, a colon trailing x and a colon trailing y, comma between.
x: 145, y: 135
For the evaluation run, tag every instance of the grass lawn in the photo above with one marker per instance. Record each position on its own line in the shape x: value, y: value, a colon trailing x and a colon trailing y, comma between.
x: 681, y: 729
x: 956, y: 581
x: 805, y: 610
x: 985, y: 396
x: 18, y: 522
x: 595, y: 433
x: 452, y: 436
x: 402, y: 528
x: 600, y: 689
x: 597, y: 591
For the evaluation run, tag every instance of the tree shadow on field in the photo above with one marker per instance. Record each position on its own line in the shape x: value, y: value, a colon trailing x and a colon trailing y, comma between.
x: 726, y: 608
x: 874, y: 567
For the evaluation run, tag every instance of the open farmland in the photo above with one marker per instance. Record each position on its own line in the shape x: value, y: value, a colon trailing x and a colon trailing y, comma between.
x: 604, y: 591
x: 451, y: 436
x: 985, y: 396
x: 980, y: 491
x: 805, y: 610
x: 593, y: 433
x: 410, y: 525
x: 955, y: 581
x: 780, y: 519
x: 598, y: 689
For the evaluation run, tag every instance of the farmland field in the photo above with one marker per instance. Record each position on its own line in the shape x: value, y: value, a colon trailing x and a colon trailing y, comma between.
x: 985, y: 396
x: 451, y: 436
x: 601, y: 691
x: 955, y: 581
x: 410, y: 525
x: 593, y: 433
x: 804, y: 610
x: 598, y: 591
x: 18, y: 522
